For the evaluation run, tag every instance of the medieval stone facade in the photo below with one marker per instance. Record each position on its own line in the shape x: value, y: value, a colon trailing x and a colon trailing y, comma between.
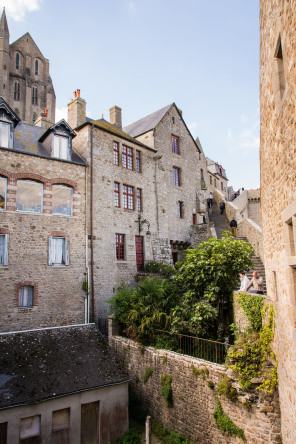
x: 278, y: 193
x: 25, y: 82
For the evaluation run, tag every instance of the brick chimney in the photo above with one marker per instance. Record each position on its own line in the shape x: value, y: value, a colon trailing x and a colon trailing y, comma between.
x: 43, y: 121
x: 76, y: 110
x: 115, y: 116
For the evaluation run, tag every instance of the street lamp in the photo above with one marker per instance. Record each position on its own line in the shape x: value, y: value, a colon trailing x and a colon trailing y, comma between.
x: 141, y: 221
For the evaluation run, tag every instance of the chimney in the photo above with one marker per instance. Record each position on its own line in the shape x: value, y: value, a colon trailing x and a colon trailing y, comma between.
x: 115, y: 116
x: 43, y: 121
x: 76, y: 110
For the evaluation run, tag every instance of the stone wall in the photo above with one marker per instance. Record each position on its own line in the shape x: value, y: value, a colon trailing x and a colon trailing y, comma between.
x: 199, y: 233
x: 58, y: 295
x: 193, y: 399
x: 241, y: 322
x: 278, y: 192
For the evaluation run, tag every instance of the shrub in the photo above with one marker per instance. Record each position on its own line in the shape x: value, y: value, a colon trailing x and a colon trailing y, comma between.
x: 224, y: 387
x: 225, y: 424
x: 166, y: 389
x: 131, y: 436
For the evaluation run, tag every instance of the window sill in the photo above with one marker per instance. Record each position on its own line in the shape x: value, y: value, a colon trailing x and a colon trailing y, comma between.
x: 121, y: 262
x: 58, y: 266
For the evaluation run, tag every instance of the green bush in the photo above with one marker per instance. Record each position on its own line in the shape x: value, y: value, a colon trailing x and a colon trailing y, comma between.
x: 159, y: 268
x: 225, y: 424
x: 224, y: 387
x: 252, y: 307
x: 131, y: 436
x: 166, y: 389
x: 168, y: 436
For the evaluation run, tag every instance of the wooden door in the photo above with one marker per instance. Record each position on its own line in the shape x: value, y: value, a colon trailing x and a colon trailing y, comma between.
x: 139, y: 253
x: 90, y: 423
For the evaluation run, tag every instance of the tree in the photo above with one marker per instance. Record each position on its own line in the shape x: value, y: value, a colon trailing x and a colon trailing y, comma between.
x: 208, y: 276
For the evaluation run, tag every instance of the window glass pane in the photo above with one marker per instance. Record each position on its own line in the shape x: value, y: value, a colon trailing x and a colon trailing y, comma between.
x: 30, y: 426
x: 4, y: 134
x: 29, y: 196
x: 61, y: 200
x: 2, y: 243
x: 64, y: 147
x: 26, y: 296
x: 58, y: 246
x: 3, y: 182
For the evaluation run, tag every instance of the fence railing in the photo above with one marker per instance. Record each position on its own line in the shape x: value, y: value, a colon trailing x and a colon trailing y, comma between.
x: 206, y: 349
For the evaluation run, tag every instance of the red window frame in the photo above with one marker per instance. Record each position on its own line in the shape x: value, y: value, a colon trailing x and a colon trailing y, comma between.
x: 116, y: 153
x: 120, y: 250
x: 138, y: 162
x: 116, y: 194
x: 139, y: 199
x: 175, y: 145
x: 176, y: 176
x: 181, y: 209
x: 127, y: 157
x: 128, y: 197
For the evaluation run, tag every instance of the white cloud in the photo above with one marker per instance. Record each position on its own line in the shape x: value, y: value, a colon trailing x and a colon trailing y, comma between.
x: 131, y: 5
x: 17, y: 9
x: 246, y: 138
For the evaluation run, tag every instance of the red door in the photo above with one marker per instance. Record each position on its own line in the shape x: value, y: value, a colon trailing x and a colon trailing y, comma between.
x: 139, y: 253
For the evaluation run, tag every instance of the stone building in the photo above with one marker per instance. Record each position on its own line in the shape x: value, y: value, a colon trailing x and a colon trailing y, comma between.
x: 143, y: 194
x: 25, y: 82
x: 278, y: 191
x: 217, y: 177
x: 61, y: 385
x: 42, y: 224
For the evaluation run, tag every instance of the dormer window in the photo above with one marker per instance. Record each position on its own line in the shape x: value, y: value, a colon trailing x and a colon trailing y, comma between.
x: 61, y: 147
x: 4, y: 134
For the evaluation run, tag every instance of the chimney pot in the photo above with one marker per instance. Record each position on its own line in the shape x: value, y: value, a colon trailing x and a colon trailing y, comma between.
x: 115, y: 116
x: 78, y: 92
x: 45, y: 112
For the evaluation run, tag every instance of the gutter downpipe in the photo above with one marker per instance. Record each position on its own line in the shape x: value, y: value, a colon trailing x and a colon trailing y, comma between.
x: 91, y: 224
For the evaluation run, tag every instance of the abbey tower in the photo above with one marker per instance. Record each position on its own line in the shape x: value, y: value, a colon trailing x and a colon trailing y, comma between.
x: 25, y: 82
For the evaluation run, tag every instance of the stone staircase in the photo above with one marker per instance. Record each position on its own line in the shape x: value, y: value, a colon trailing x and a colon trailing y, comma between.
x: 221, y: 224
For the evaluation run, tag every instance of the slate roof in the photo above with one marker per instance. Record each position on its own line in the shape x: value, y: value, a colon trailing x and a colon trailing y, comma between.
x: 26, y: 140
x: 146, y: 123
x: 41, y: 364
x: 112, y: 129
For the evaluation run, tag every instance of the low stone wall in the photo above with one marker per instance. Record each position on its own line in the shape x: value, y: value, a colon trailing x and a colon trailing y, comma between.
x: 249, y: 229
x: 193, y: 399
x: 199, y: 233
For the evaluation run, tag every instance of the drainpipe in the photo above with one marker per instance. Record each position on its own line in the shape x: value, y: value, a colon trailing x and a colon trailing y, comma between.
x: 156, y: 158
x: 91, y: 223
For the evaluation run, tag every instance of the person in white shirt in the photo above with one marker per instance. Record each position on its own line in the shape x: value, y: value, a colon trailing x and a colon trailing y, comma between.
x: 244, y: 281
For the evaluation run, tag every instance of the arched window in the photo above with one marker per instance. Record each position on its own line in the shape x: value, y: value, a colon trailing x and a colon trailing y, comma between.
x: 36, y: 67
x: 16, y: 92
x: 34, y: 117
x: 34, y: 95
x: 17, y: 61
x: 29, y: 196
x: 62, y: 197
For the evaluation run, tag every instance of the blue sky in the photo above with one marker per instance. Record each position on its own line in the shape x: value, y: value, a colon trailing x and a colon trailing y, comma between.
x: 142, y: 55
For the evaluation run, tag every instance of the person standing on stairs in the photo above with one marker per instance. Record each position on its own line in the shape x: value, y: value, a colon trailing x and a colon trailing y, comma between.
x: 257, y: 283
x: 233, y: 227
x: 222, y: 206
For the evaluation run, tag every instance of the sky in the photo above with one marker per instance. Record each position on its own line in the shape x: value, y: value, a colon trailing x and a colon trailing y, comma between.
x: 142, y: 55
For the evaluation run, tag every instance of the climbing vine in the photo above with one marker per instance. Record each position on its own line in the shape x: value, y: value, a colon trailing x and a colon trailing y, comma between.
x: 251, y: 356
x: 224, y: 423
x: 252, y: 307
x: 166, y: 389
x: 148, y: 374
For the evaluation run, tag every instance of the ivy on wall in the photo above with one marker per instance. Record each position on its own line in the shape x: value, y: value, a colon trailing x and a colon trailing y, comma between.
x: 252, y: 307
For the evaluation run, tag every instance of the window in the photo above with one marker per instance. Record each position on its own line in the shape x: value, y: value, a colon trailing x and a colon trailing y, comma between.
x: 17, y: 61
x: 34, y: 118
x: 3, y: 187
x: 16, y: 92
x: 4, y: 249
x: 61, y: 426
x: 193, y: 219
x: 175, y: 145
x: 116, y: 153
x: 60, y: 147
x: 25, y: 296
x: 281, y: 81
x: 30, y: 427
x: 120, y: 247
x: 34, y: 96
x: 58, y: 250
x: 211, y: 180
x: 201, y: 174
x: 215, y: 183
x: 176, y: 176
x: 29, y: 196
x: 36, y: 67
x: 221, y: 186
x: 62, y: 200
x: 180, y: 210
x: 139, y: 199
x: 127, y: 157
x: 4, y: 134
x: 116, y: 194
x: 138, y: 162
x: 128, y: 197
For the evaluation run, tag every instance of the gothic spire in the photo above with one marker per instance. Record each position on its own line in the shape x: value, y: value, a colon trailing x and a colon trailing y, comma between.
x: 4, y: 31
